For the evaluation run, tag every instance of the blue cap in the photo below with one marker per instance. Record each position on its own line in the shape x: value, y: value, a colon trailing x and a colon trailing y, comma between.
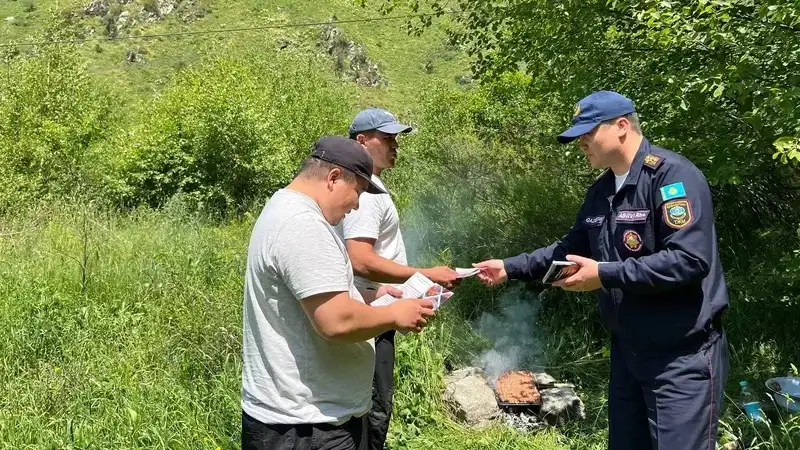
x: 593, y: 109
x: 377, y: 119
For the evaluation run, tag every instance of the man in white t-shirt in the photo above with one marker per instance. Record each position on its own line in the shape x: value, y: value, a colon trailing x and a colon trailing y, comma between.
x: 375, y: 245
x: 307, y: 345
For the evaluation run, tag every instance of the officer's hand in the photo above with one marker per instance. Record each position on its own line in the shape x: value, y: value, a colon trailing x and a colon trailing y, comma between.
x: 587, y: 278
x: 492, y: 272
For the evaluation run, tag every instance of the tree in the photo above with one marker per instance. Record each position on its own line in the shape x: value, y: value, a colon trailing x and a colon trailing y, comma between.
x: 718, y: 79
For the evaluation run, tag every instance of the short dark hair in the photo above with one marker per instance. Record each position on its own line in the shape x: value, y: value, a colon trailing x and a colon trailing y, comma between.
x: 633, y: 118
x: 355, y: 134
x: 316, y: 169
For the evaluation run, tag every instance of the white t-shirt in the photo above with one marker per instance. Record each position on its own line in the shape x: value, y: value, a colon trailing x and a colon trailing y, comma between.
x: 376, y: 218
x: 290, y: 374
x: 619, y: 180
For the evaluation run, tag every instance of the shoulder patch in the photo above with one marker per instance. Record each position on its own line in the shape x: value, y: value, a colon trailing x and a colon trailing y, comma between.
x: 652, y: 160
x: 593, y: 221
x: 678, y: 213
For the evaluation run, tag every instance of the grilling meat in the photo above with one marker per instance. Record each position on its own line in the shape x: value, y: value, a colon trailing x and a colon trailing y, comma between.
x: 517, y: 387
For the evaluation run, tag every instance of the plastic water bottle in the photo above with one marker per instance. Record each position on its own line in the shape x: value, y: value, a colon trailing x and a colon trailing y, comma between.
x: 752, y: 407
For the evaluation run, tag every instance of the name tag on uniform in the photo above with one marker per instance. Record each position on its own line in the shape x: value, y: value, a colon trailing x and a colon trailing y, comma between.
x: 593, y: 221
x: 633, y: 216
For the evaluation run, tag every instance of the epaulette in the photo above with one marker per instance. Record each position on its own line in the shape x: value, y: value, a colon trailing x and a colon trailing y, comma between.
x: 652, y: 160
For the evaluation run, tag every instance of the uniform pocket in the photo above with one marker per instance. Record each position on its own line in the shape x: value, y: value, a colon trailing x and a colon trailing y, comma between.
x: 593, y: 224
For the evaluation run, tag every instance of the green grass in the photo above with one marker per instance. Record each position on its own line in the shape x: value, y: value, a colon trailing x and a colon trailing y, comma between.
x: 124, y: 332
x: 147, y: 356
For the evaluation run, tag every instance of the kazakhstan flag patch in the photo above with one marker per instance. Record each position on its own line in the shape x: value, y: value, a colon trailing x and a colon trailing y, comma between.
x: 673, y: 190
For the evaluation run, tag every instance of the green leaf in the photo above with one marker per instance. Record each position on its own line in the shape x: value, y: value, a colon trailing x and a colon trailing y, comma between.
x: 718, y: 91
x: 134, y: 416
x: 784, y: 142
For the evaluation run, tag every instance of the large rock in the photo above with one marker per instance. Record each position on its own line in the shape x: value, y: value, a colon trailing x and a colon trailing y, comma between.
x: 97, y: 8
x: 470, y: 396
x: 124, y: 20
x: 560, y: 405
x: 351, y: 60
x: 100, y: 8
x: 543, y: 378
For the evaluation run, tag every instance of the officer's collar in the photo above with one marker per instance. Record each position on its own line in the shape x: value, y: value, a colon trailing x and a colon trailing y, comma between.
x: 633, y: 172
x: 638, y: 162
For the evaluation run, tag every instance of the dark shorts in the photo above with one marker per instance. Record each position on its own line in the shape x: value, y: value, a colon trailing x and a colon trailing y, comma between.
x: 259, y: 436
x: 382, y: 391
x: 668, y: 400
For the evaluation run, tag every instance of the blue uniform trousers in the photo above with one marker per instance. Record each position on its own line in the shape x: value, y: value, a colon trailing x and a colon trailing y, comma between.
x: 667, y: 400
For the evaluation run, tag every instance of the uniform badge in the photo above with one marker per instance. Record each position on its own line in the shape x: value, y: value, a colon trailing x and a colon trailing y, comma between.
x: 577, y: 110
x: 673, y: 190
x: 632, y: 241
x: 678, y: 213
x: 652, y: 161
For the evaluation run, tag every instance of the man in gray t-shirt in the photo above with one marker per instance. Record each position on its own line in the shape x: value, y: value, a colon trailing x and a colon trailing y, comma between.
x: 308, y: 349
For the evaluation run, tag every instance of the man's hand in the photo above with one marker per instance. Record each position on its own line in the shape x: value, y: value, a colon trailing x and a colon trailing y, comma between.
x: 587, y: 278
x: 493, y: 272
x: 442, y: 275
x: 411, y: 314
x: 388, y: 289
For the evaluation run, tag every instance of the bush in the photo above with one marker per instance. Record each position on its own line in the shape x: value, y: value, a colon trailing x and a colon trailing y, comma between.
x: 228, y: 132
x: 51, y: 116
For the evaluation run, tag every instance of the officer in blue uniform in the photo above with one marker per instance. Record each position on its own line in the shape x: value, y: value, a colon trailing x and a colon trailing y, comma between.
x: 645, y: 241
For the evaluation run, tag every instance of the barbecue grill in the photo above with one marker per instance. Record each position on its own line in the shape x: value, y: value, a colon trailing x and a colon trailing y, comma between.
x: 517, y: 391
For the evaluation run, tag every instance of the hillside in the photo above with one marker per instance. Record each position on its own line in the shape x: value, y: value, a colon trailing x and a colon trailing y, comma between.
x: 139, y: 67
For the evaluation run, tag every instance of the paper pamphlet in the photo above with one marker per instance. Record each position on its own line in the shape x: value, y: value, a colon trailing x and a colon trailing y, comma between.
x: 464, y: 273
x: 418, y: 286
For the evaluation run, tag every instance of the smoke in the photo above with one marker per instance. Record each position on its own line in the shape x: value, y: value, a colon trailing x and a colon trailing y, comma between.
x: 512, y: 331
x: 447, y: 217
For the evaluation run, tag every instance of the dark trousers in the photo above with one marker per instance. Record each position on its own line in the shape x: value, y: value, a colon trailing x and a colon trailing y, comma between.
x: 259, y: 436
x: 382, y: 391
x: 669, y: 400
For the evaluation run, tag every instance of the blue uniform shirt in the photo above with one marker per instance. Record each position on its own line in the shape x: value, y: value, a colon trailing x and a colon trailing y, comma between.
x: 663, y: 284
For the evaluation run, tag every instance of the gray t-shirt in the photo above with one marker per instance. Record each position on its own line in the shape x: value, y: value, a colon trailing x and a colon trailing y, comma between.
x: 290, y: 374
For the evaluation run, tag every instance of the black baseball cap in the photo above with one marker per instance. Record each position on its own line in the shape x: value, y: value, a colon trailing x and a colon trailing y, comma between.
x: 348, y: 154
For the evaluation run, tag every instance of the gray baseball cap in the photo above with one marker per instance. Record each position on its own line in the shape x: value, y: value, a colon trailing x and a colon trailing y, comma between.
x: 377, y: 119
